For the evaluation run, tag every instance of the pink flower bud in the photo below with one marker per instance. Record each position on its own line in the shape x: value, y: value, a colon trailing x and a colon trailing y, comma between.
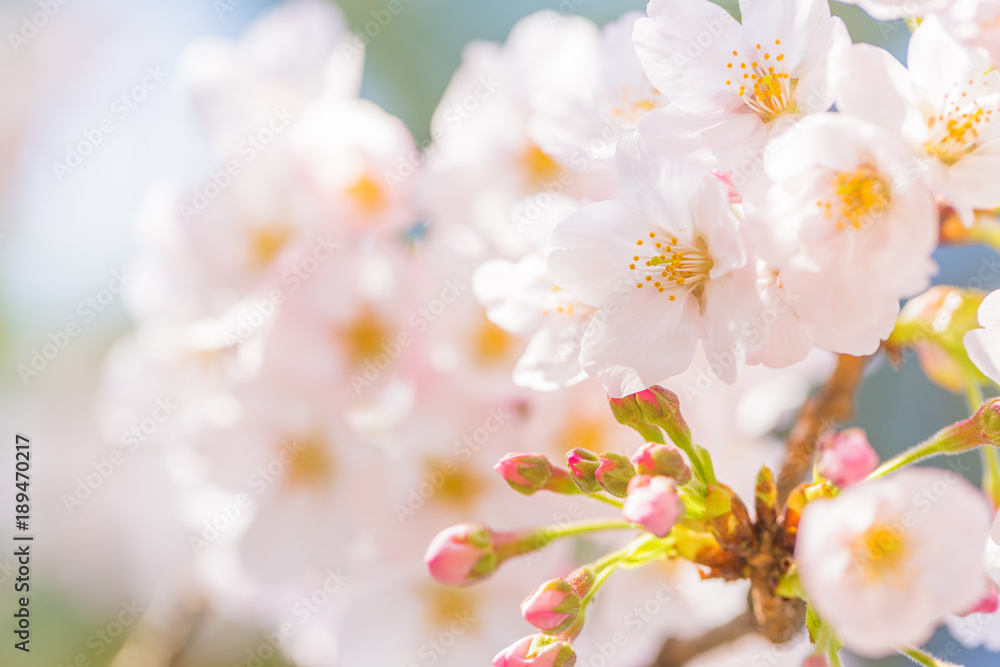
x: 461, y: 554
x: 582, y: 465
x: 989, y: 603
x: 815, y: 661
x: 528, y: 473
x: 847, y: 457
x: 652, y: 503
x: 536, y: 651
x: 614, y: 473
x: 552, y: 607
x: 655, y: 459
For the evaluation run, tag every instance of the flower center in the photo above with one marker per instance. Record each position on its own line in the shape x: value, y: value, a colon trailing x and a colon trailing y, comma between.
x: 881, y: 554
x: 860, y: 196
x: 364, y: 336
x: 677, y: 268
x: 539, y: 166
x: 968, y: 108
x: 266, y: 242
x: 759, y: 82
x: 490, y: 344
x: 367, y: 194
x: 460, y: 486
x: 311, y: 462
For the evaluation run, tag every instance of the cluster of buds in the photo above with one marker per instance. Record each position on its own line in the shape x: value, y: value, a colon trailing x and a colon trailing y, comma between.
x: 667, y: 490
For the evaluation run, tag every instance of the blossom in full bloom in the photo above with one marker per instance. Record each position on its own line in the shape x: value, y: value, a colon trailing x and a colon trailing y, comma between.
x: 847, y: 228
x: 886, y: 560
x: 732, y: 85
x: 946, y: 103
x: 983, y: 345
x: 666, y: 268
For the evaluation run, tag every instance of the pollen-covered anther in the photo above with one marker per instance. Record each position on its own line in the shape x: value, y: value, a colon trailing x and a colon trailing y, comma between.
x: 678, y: 267
x: 860, y: 196
x: 771, y: 93
x: 956, y: 131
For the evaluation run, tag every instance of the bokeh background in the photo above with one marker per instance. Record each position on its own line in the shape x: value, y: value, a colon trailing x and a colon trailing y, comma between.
x: 62, y: 241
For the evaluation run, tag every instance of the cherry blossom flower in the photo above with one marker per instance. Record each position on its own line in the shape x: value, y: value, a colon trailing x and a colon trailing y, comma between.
x: 975, y: 23
x: 666, y: 269
x: 946, y: 102
x: 886, y: 560
x: 732, y: 85
x: 846, y: 229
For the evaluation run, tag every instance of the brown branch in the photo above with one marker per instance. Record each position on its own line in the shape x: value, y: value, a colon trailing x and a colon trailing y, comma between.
x: 677, y: 652
x: 834, y: 403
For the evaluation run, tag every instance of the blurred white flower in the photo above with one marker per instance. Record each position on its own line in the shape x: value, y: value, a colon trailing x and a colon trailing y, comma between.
x: 886, y: 560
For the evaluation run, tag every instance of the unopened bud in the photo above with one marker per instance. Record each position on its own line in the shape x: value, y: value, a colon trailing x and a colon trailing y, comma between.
x: 614, y: 473
x: 582, y: 466
x: 461, y: 554
x: 552, y: 607
x: 662, y: 408
x: 528, y: 473
x: 655, y: 459
x: 652, y: 503
x: 846, y: 458
x: 537, y: 651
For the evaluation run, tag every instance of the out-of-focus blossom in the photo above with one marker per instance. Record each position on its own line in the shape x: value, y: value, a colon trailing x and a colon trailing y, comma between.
x: 975, y: 23
x: 887, y: 10
x: 885, y: 561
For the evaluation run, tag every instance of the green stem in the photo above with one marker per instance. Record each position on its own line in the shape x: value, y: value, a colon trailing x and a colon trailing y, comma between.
x: 989, y: 455
x: 606, y: 500
x: 555, y: 532
x: 919, y: 657
x: 959, y: 437
x: 541, y: 538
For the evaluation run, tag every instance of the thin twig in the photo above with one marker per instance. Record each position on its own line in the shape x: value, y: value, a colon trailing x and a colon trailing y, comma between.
x: 678, y: 652
x: 834, y: 403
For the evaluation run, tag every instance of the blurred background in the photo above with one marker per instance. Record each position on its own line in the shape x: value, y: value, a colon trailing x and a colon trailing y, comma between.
x: 63, y: 237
